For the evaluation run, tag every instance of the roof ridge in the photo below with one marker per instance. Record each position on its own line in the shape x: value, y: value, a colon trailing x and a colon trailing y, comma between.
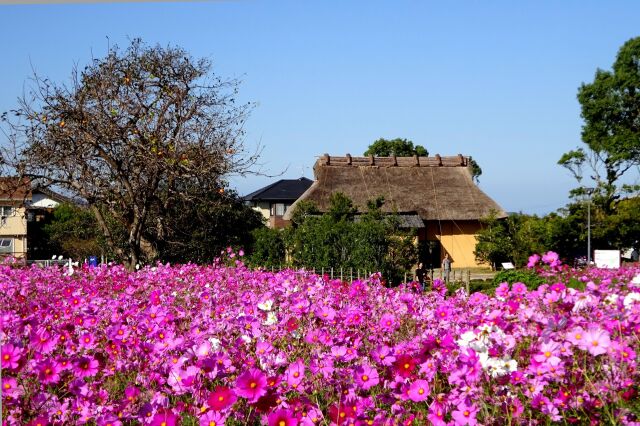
x: 458, y: 160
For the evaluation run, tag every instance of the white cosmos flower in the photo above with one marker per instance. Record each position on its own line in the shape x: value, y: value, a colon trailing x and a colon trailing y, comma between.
x: 630, y: 298
x: 215, y: 343
x: 271, y: 319
x: 266, y: 305
x: 611, y: 299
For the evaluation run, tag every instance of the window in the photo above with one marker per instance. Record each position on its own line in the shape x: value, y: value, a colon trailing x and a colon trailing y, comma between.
x: 6, y: 245
x: 279, y: 209
x: 6, y: 211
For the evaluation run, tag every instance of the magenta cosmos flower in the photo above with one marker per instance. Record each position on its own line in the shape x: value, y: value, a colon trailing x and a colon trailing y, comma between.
x: 465, y: 415
x: 366, y: 377
x: 10, y: 356
x: 86, y: 367
x: 221, y: 398
x: 49, y: 371
x: 282, y: 418
x: 295, y: 373
x: 418, y: 391
x: 251, y: 384
x: 164, y: 417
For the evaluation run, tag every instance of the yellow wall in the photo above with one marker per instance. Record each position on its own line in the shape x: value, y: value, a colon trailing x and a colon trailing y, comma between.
x: 15, y: 227
x: 15, y: 224
x: 264, y: 209
x: 458, y: 239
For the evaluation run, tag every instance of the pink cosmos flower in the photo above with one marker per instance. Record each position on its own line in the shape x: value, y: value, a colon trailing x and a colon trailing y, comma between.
x: 442, y: 312
x: 108, y: 420
x: 295, y: 373
x: 282, y: 417
x: 549, y: 352
x: 596, y: 341
x: 10, y: 356
x: 387, y: 322
x: 131, y: 393
x: 251, y: 384
x: 533, y: 260
x: 366, y: 376
x: 49, y: 371
x: 87, y: 341
x: 85, y: 366
x: 383, y: 354
x: 551, y: 258
x: 325, y: 313
x: 576, y: 336
x: 164, y: 417
x: 39, y: 421
x: 465, y: 414
x: 10, y: 387
x: 418, y: 391
x: 42, y: 341
x: 212, y: 418
x: 221, y: 398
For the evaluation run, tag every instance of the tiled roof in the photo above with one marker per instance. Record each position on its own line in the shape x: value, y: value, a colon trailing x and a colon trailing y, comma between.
x: 282, y: 190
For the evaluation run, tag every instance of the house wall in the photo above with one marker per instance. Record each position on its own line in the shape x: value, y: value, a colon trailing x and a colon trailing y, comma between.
x: 15, y: 227
x: 264, y: 208
x: 458, y: 238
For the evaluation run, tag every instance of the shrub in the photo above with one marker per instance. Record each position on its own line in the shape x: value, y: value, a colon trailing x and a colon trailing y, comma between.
x: 527, y: 277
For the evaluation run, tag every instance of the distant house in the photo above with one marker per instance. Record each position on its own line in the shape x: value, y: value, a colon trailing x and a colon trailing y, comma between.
x: 435, y: 195
x: 23, y: 212
x: 274, y: 200
x: 15, y: 194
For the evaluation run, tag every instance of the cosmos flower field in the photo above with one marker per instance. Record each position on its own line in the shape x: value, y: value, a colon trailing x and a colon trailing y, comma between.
x: 226, y: 345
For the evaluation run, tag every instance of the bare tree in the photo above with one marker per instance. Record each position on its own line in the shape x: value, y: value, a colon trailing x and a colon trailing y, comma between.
x: 127, y: 133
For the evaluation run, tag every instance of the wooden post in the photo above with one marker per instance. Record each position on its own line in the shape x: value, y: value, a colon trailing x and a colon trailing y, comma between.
x: 468, y: 279
x: 405, y: 277
x: 341, y: 274
x: 332, y: 272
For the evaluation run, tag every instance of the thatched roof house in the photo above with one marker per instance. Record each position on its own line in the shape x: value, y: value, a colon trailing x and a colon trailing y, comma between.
x: 440, y: 190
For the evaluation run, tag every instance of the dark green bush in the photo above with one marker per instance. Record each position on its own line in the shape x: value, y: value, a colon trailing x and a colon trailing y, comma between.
x: 527, y: 277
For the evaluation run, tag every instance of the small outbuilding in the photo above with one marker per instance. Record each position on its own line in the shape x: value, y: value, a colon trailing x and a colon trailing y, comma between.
x: 436, y: 195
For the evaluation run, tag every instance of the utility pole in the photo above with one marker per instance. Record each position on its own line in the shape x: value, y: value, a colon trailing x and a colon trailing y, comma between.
x: 589, y: 192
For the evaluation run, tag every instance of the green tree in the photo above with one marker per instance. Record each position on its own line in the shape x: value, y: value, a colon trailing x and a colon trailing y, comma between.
x: 341, y: 238
x: 202, y: 224
x: 398, y: 147
x: 73, y: 232
x: 611, y: 130
x: 267, y: 249
x: 512, y: 239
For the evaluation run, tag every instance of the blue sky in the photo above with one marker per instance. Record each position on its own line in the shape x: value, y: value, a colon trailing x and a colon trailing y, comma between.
x: 496, y: 80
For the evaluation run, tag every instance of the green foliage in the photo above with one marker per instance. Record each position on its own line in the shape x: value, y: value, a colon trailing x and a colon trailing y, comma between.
x: 525, y: 276
x: 512, y: 239
x: 398, y: 147
x: 340, y: 238
x: 205, y: 224
x: 73, y: 232
x: 476, y: 170
x: 267, y: 250
x: 610, y: 109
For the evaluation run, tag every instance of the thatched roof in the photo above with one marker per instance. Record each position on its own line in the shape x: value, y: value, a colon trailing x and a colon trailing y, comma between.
x: 436, y: 188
